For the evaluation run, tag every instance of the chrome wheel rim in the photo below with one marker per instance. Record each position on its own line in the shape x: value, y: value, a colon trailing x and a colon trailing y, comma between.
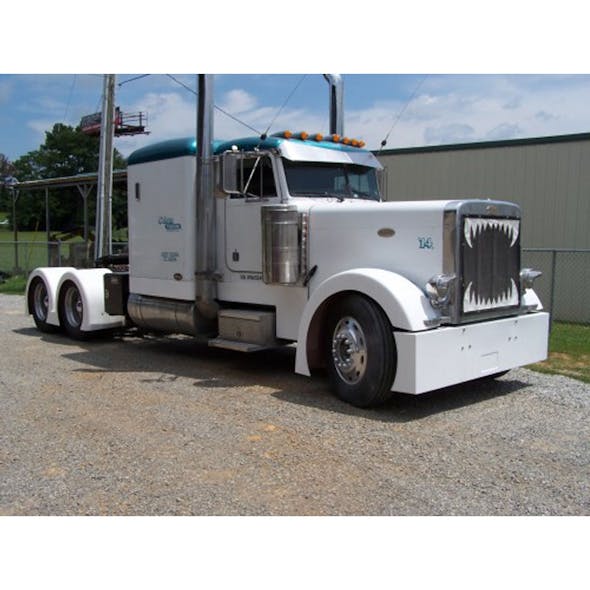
x: 349, y: 350
x: 40, y: 301
x: 73, y: 307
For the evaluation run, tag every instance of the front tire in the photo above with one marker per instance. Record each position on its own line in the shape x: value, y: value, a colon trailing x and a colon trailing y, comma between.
x: 71, y: 311
x: 39, y: 305
x: 361, y: 353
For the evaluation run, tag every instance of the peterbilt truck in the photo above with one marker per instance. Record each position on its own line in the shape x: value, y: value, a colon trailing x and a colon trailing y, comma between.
x: 267, y: 241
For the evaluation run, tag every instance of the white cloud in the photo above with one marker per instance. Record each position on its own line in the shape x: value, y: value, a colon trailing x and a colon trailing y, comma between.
x: 238, y: 101
x: 545, y: 116
x: 505, y: 131
x: 455, y: 132
x: 169, y: 114
x: 172, y: 115
x: 449, y: 109
x: 40, y: 127
x: 463, y: 108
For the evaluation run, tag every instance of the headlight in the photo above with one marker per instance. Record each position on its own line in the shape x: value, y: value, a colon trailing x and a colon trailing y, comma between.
x: 528, y: 276
x: 440, y: 290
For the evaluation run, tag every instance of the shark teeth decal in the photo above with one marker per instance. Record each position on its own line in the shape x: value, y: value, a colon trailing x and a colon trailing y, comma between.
x: 472, y: 302
x: 475, y: 226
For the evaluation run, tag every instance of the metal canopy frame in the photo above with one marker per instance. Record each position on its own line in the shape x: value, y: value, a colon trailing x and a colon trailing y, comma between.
x: 83, y: 182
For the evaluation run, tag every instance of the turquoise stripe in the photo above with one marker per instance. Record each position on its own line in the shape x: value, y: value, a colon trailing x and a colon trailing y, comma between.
x: 187, y: 146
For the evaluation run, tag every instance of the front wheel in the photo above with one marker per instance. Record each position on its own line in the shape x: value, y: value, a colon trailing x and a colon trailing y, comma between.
x: 71, y: 311
x: 361, y: 352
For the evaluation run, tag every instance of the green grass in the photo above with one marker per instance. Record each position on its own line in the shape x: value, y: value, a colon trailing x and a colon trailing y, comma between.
x: 29, y: 255
x: 32, y: 249
x: 14, y: 286
x: 569, y: 352
x: 7, y: 235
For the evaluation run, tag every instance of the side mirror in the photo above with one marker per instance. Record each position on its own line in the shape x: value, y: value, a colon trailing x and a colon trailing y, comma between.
x: 231, y: 167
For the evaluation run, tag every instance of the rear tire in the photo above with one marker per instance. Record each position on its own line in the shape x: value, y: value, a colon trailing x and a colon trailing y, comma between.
x: 71, y: 311
x: 361, y: 353
x: 38, y: 297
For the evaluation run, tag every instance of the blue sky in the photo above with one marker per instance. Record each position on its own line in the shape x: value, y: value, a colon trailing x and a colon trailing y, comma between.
x: 445, y: 108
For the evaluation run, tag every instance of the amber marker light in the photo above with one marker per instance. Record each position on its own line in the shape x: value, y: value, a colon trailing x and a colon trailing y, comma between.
x: 287, y: 134
x: 345, y: 140
x: 335, y: 138
x: 318, y: 137
x: 354, y: 142
x: 362, y: 144
x: 304, y: 135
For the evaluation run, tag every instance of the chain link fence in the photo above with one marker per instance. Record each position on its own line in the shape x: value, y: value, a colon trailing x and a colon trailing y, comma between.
x: 565, y: 282
x: 563, y: 288
x: 20, y: 258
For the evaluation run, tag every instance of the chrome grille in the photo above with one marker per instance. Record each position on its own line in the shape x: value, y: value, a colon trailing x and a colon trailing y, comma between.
x: 490, y: 265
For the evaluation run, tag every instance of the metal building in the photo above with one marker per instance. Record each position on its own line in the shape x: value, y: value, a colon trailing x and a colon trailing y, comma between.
x: 549, y: 177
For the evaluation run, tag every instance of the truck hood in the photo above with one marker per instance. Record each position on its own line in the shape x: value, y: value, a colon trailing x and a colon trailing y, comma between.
x: 403, y: 237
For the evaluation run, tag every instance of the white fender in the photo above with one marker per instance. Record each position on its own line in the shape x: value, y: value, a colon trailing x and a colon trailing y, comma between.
x: 406, y: 306
x: 90, y: 283
x: 51, y: 276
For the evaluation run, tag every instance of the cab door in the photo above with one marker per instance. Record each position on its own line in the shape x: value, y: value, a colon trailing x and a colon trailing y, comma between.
x: 243, y: 227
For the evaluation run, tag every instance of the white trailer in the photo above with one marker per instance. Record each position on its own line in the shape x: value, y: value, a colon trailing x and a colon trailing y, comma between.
x: 258, y: 242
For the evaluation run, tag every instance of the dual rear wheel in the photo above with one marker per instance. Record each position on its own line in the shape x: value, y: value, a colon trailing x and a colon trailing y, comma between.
x: 70, y: 308
x: 71, y: 311
x: 39, y: 306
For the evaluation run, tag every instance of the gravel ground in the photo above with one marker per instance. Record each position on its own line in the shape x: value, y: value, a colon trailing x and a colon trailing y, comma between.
x: 145, y: 426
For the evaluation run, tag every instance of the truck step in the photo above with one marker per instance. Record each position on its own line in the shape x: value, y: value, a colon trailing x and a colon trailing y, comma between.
x: 237, y: 345
x: 245, y: 330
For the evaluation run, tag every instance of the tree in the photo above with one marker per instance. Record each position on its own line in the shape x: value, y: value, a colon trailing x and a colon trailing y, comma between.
x: 6, y: 167
x: 6, y: 171
x: 66, y: 152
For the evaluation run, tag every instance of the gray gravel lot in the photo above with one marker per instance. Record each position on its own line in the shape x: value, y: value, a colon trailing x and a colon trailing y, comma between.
x: 146, y: 426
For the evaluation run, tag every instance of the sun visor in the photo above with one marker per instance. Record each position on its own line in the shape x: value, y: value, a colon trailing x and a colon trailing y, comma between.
x: 338, y: 154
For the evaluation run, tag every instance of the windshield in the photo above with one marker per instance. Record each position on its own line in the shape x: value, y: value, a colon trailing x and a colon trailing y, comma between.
x: 321, y: 179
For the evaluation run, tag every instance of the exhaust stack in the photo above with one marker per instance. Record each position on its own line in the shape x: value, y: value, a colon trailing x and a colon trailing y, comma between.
x: 336, y: 103
x: 206, y: 242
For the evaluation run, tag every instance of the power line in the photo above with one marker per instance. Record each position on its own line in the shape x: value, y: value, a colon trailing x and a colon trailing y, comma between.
x: 283, y: 105
x: 182, y: 84
x: 218, y: 108
x: 133, y: 79
x: 384, y: 142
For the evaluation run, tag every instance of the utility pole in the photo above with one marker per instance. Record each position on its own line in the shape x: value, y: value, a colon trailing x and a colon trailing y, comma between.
x: 15, y: 193
x: 103, y: 245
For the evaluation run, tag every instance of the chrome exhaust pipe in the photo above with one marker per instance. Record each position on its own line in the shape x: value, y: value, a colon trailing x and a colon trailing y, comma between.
x: 206, y: 242
x: 336, y: 103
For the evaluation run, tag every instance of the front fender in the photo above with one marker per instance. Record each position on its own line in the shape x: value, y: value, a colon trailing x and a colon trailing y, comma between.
x: 406, y: 306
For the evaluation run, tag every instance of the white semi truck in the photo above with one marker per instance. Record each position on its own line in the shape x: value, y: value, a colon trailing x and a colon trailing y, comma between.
x: 265, y: 241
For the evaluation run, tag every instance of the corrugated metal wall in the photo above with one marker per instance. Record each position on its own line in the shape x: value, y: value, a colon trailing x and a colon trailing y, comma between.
x: 548, y: 177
